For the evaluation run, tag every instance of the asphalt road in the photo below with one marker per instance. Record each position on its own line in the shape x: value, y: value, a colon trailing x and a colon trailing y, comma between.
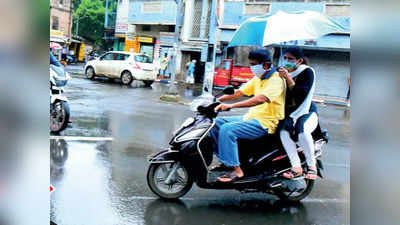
x: 98, y: 165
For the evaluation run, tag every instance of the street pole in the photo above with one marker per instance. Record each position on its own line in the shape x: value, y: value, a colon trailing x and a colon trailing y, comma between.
x: 77, y: 27
x: 106, y: 16
x: 210, y: 63
x: 179, y: 17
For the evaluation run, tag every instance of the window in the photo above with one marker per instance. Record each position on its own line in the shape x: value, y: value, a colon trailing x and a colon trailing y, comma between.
x: 61, y: 2
x: 146, y: 28
x: 54, y: 25
x: 226, y: 65
x: 152, y: 7
x: 122, y: 57
x: 171, y: 28
x: 109, y: 56
x: 256, y: 9
x: 142, y: 59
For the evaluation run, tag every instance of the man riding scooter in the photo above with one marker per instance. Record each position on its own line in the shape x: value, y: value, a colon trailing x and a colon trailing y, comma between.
x: 267, y: 108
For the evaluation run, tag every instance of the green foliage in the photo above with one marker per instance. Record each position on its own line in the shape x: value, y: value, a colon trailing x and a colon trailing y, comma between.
x: 91, y: 20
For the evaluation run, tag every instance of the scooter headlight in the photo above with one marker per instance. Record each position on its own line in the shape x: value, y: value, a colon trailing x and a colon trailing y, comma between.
x: 194, y: 134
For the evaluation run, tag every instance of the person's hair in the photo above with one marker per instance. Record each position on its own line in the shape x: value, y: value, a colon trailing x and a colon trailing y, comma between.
x: 297, y: 53
x: 260, y: 55
x: 165, y: 54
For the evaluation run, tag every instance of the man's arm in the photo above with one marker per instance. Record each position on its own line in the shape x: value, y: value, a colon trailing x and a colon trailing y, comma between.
x: 236, y: 95
x: 256, y: 100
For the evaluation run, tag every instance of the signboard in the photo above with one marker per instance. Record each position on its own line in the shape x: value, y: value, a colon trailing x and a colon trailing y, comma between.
x: 131, y: 32
x: 167, y: 38
x: 145, y: 39
x: 56, y: 33
x: 121, y: 24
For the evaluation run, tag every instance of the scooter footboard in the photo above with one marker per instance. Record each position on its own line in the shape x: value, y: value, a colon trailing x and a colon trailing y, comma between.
x: 165, y: 156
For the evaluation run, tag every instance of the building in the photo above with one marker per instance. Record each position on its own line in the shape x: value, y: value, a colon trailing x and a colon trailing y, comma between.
x: 148, y: 26
x: 61, y: 22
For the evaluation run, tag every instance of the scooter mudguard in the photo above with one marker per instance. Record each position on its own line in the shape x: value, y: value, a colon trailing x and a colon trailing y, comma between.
x: 54, y: 98
x: 165, y: 156
x: 320, y: 168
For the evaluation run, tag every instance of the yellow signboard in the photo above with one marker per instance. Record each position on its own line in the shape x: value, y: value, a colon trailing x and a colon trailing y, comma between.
x: 56, y: 33
x: 146, y: 39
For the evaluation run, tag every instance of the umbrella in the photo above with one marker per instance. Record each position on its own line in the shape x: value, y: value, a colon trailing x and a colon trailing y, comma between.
x: 55, y: 45
x: 282, y: 26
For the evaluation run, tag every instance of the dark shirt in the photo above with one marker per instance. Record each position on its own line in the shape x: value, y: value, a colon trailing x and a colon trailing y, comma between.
x: 296, y: 96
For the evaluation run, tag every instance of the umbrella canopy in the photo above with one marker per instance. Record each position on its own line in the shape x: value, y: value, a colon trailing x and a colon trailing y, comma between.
x: 55, y: 45
x: 282, y: 26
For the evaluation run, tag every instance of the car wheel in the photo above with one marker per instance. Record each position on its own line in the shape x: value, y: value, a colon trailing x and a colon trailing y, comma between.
x: 126, y: 78
x: 90, y: 74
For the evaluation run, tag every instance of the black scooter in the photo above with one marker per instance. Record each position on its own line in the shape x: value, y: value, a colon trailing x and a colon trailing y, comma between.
x: 172, y: 171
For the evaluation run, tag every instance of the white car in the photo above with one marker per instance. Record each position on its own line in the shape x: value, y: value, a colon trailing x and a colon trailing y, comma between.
x: 126, y: 66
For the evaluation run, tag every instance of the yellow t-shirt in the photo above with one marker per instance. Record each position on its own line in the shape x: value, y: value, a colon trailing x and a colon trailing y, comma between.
x: 268, y: 114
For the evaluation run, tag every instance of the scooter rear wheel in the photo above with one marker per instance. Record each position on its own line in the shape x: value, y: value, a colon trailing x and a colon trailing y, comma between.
x: 297, y: 196
x: 180, y: 183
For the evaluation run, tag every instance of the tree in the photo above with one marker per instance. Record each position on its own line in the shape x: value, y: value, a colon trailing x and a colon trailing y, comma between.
x: 91, y: 20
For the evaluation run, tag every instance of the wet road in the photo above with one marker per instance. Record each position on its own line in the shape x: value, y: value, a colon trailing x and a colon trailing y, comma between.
x: 102, y: 180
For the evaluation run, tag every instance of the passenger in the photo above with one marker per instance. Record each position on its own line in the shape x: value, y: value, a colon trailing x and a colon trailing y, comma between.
x: 267, y: 108
x: 301, y: 116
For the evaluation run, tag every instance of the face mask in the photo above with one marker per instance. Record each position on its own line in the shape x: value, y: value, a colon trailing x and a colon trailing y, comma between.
x: 289, y: 65
x: 258, y: 70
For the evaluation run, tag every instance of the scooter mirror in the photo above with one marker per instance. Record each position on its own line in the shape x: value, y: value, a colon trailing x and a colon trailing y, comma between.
x: 229, y: 90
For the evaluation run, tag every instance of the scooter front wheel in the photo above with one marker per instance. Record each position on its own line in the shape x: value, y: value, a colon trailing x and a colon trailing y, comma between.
x: 59, y: 116
x: 169, y: 180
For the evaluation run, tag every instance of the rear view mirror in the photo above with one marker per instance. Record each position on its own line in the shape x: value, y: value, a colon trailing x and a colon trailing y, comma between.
x: 229, y: 90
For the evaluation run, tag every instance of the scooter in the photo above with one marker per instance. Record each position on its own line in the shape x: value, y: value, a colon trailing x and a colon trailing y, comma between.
x: 59, y: 107
x: 173, y: 171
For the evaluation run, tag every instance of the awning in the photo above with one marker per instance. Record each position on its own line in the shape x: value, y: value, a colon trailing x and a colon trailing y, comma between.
x: 75, y: 41
x: 57, y: 39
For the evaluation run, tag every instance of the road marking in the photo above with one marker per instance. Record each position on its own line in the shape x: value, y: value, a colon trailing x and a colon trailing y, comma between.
x: 310, y: 200
x: 74, y: 138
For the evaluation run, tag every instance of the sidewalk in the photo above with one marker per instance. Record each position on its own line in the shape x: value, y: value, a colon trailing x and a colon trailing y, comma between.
x: 318, y: 99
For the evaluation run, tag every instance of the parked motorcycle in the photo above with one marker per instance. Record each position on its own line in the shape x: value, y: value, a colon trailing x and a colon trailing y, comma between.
x: 173, y: 171
x: 71, y: 59
x: 59, y: 107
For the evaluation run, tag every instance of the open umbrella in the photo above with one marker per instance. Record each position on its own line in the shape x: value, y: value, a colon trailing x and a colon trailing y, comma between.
x: 55, y: 45
x: 282, y: 26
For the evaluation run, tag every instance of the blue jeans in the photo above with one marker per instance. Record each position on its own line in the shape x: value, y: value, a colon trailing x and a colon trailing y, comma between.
x: 226, y: 132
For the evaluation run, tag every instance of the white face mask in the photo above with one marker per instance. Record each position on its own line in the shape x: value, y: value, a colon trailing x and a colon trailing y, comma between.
x: 258, y: 70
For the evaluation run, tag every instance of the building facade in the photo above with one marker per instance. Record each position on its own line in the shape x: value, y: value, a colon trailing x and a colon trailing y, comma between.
x: 60, y: 20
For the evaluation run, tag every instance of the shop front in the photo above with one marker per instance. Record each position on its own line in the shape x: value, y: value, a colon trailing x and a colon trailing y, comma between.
x: 147, y: 46
x: 57, y: 43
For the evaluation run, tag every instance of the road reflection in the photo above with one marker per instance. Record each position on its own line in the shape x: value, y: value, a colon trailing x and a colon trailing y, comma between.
x: 160, y: 212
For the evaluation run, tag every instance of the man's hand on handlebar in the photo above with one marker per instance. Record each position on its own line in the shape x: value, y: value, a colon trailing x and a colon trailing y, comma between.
x: 223, y: 107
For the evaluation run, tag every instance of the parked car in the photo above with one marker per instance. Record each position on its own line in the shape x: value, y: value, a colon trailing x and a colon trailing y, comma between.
x: 125, y: 66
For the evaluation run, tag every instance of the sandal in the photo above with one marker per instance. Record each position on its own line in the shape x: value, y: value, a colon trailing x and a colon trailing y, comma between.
x: 291, y: 174
x: 231, y: 175
x: 220, y: 167
x: 311, y: 173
